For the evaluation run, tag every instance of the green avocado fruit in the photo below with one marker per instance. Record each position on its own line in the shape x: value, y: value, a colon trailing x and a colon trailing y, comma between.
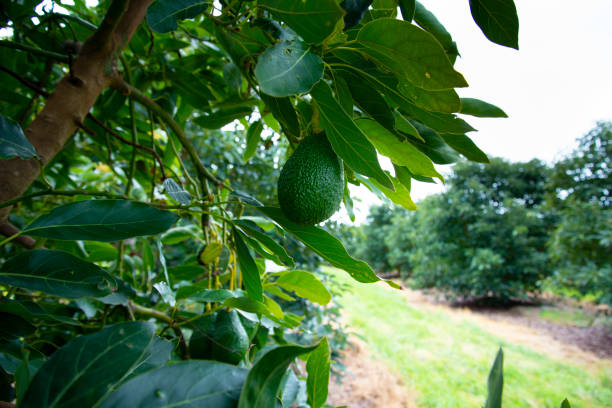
x: 219, y: 337
x: 311, y: 183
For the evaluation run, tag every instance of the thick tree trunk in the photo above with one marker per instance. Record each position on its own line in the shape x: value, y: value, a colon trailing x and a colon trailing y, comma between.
x: 73, y: 97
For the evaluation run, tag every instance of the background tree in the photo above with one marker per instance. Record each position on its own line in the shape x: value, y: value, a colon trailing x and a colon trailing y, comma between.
x: 107, y: 174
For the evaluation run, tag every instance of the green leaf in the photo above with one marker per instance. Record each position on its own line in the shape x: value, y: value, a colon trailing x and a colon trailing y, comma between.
x: 429, y: 22
x: 84, y: 371
x: 176, y: 191
x: 495, y: 383
x: 247, y: 304
x: 407, y: 7
x: 264, y: 379
x: 254, y: 231
x: 305, y: 285
x: 184, y: 384
x: 56, y: 273
x: 31, y: 310
x: 434, y: 146
x: 410, y: 51
x: 313, y: 20
x: 401, y: 195
x: 324, y: 244
x: 482, y: 109
x: 222, y: 117
x: 253, y: 137
x: 440, y: 122
x: 370, y: 101
x: 282, y: 109
x: 288, y: 68
x: 317, y: 368
x: 163, y: 15
x: 248, y: 268
x: 101, y: 220
x: 446, y: 101
x: 343, y: 95
x: 347, y: 140
x: 401, y: 152
x: 498, y: 20
x: 465, y: 146
x: 565, y: 404
x: 191, y: 88
x: 13, y: 142
x: 100, y: 251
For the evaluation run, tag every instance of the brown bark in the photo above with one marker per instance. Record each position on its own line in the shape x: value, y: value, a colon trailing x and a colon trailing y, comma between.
x: 73, y: 97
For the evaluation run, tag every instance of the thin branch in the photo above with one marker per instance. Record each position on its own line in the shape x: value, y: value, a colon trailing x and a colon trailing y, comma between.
x: 33, y: 50
x: 25, y: 81
x: 203, y: 173
x: 8, y: 230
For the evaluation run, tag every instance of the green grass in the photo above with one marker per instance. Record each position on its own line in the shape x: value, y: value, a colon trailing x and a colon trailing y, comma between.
x: 575, y: 317
x: 447, y: 362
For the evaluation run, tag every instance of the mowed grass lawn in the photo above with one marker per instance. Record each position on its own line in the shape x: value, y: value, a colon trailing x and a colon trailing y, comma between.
x: 446, y: 362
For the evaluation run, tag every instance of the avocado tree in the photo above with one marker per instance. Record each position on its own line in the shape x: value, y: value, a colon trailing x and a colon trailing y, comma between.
x: 107, y: 126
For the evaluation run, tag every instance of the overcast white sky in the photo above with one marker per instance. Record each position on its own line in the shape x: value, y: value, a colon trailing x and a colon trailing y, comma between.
x: 554, y: 89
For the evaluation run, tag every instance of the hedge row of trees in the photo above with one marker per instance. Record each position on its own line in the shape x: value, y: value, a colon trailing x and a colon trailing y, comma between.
x: 501, y: 230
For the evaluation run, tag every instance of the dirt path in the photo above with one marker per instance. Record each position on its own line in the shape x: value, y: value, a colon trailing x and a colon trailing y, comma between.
x: 368, y: 383
x: 587, y: 347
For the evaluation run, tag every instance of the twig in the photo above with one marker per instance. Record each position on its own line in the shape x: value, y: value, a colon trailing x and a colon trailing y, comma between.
x: 8, y: 230
x: 33, y: 50
x: 25, y: 81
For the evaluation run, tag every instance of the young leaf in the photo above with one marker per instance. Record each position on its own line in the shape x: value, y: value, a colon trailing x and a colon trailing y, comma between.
x: 313, y: 20
x: 56, y: 273
x: 183, y: 384
x: 498, y: 20
x: 411, y: 52
x: 248, y: 268
x: 318, y: 374
x: 495, y: 383
x: 465, y: 146
x: 400, y: 152
x: 101, y: 220
x: 324, y: 244
x: 13, y: 142
x: 88, y: 368
x: 176, y: 191
x: 305, y: 285
x: 401, y: 195
x: 288, y: 68
x: 347, y: 140
x: 482, y: 109
x: 163, y: 15
x: 253, y: 137
x: 264, y: 379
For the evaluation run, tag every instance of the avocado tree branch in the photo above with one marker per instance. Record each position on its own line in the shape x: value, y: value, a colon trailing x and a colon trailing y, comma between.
x: 33, y: 50
x: 73, y: 97
x: 203, y: 173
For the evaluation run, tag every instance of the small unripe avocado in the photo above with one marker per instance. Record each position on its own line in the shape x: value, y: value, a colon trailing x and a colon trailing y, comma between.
x: 219, y: 337
x: 311, y: 183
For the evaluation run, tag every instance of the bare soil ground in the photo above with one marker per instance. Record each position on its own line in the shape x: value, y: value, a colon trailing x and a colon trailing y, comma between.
x: 370, y: 384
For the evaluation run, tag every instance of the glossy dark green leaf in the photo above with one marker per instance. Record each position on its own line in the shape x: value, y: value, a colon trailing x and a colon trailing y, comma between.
x: 482, y: 109
x: 13, y: 142
x: 248, y: 268
x: 288, y: 68
x: 56, y: 273
x: 313, y: 20
x: 282, y: 109
x: 370, y: 101
x: 565, y: 404
x: 305, y: 285
x: 498, y: 20
x: 186, y: 272
x: 253, y: 138
x: 163, y: 15
x: 254, y: 231
x: 465, y: 146
x: 434, y: 146
x: 430, y: 23
x: 355, y: 9
x: 176, y: 191
x: 317, y: 367
x: 495, y: 383
x: 440, y: 122
x: 263, y: 381
x: 186, y: 384
x: 343, y: 94
x: 84, y: 371
x: 31, y: 310
x: 101, y: 220
x: 410, y: 51
x: 157, y: 354
x: 401, y: 152
x: 407, y: 7
x: 347, y: 140
x: 324, y: 244
x: 221, y: 117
